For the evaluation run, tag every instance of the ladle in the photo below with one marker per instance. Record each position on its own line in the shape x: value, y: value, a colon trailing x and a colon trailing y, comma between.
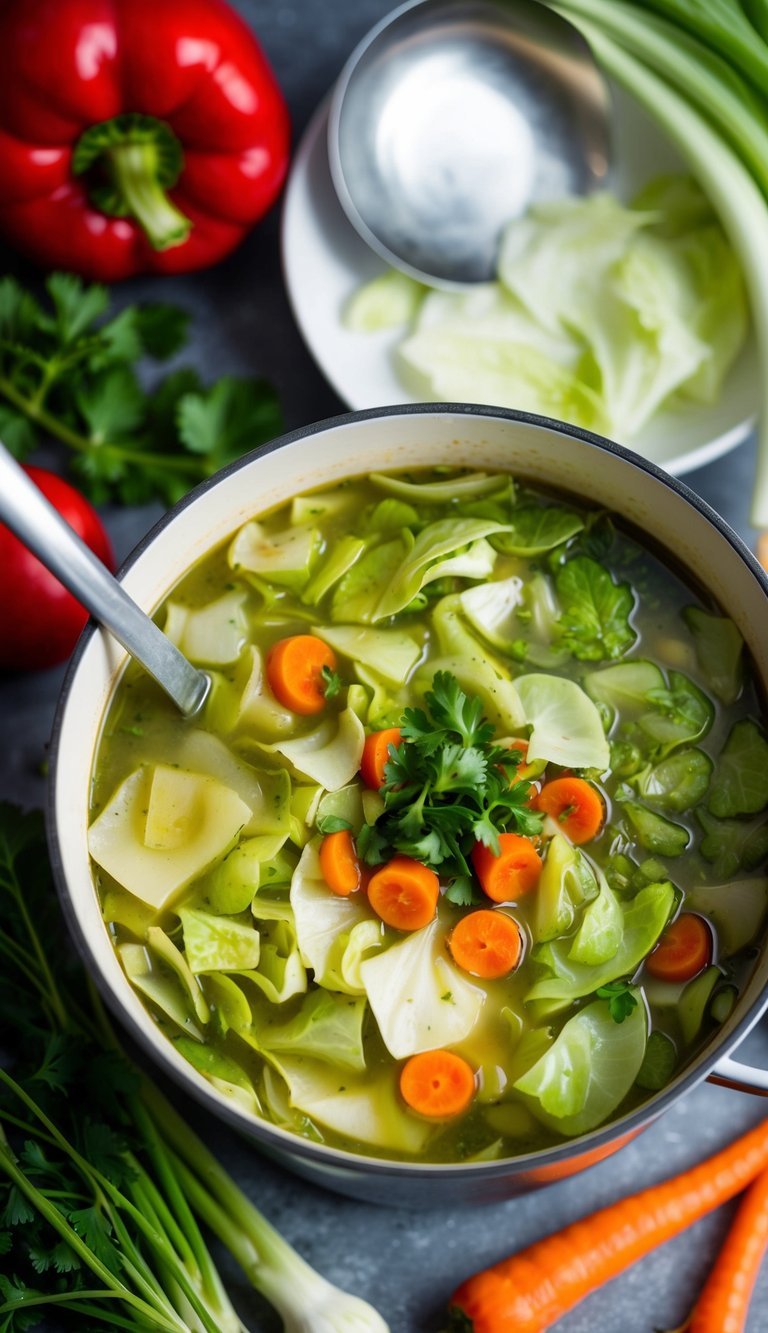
x: 451, y: 117
x: 33, y: 519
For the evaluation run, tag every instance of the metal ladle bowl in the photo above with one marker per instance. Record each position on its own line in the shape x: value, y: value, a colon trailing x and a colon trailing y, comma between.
x: 451, y: 117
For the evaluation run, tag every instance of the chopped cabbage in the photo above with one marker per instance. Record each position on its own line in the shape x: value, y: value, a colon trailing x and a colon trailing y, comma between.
x: 284, y: 557
x: 327, y: 1027
x: 566, y: 726
x: 434, y: 542
x: 329, y: 756
x: 218, y: 943
x: 164, y: 948
x: 419, y: 999
x: 212, y: 635
x: 325, y: 923
x: 567, y: 881
x: 490, y: 609
x: 588, y: 1070
x: 391, y: 653
x: 193, y: 820
x: 165, y: 992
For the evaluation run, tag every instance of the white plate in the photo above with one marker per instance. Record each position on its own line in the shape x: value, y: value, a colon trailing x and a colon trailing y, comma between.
x: 325, y: 261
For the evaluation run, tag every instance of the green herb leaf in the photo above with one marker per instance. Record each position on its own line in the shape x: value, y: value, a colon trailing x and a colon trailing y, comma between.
x: 658, y: 1062
x: 740, y: 782
x: 226, y: 420
x: 620, y: 997
x: 333, y: 824
x: 331, y: 682
x: 595, y: 619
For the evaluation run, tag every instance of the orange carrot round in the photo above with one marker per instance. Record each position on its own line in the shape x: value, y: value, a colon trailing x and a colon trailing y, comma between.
x: 295, y: 672
x: 723, y: 1304
x: 530, y: 1291
x: 684, y: 949
x: 404, y: 893
x: 511, y: 874
x: 486, y: 943
x: 438, y: 1084
x: 376, y: 756
x: 576, y: 805
x: 339, y: 863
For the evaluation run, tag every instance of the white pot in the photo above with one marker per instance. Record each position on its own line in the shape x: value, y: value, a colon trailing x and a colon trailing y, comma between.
x: 667, y: 515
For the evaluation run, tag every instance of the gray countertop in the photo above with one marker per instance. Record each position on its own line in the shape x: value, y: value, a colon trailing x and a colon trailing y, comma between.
x: 406, y: 1263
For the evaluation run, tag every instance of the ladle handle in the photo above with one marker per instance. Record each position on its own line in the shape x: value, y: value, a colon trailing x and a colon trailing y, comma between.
x: 26, y: 511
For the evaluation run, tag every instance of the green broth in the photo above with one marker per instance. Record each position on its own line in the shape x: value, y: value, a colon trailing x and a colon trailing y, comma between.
x: 591, y: 597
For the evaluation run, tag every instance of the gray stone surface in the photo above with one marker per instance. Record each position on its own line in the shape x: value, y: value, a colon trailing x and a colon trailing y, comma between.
x: 406, y: 1263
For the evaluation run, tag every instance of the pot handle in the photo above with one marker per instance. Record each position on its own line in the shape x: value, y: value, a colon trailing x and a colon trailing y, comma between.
x: 730, y: 1073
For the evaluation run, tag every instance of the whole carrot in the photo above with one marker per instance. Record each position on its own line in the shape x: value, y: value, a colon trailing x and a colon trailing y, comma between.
x: 529, y: 1291
x: 723, y: 1304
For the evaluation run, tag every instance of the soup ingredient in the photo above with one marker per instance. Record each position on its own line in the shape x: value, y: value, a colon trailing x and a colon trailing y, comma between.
x: 486, y: 944
x: 438, y: 1084
x: 726, y: 1294
x: 339, y: 863
x: 295, y: 671
x: 167, y: 140
x: 42, y: 621
x: 376, y: 756
x: 588, y: 1070
x: 100, y: 1210
x: 684, y: 949
x: 509, y: 873
x: 576, y: 805
x: 601, y: 315
x: 68, y: 373
x: 698, y: 99
x: 404, y: 893
x: 529, y: 1291
x: 448, y: 786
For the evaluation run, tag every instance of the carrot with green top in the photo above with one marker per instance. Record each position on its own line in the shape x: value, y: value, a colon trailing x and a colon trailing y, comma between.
x: 487, y: 944
x: 340, y: 864
x: 437, y: 1084
x: 404, y: 893
x: 530, y: 1291
x: 376, y: 756
x: 298, y: 671
x: 512, y: 872
x: 723, y: 1305
x: 683, y: 951
x: 576, y: 805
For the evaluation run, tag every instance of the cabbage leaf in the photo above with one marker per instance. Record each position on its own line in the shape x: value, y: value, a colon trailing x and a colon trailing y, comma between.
x: 566, y: 726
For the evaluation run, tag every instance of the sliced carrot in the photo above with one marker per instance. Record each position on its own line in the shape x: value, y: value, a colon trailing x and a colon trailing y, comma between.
x: 486, y: 943
x: 404, y: 893
x: 511, y: 874
x: 339, y: 863
x: 438, y: 1084
x: 531, y: 1290
x: 295, y: 672
x: 684, y: 949
x: 376, y: 756
x: 576, y: 805
x: 723, y: 1305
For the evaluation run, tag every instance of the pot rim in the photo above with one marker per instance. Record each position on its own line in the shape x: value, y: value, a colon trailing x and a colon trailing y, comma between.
x: 593, y: 1145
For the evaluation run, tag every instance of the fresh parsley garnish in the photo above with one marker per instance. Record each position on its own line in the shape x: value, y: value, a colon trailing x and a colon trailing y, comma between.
x: 69, y: 371
x: 448, y: 786
x: 331, y: 682
x: 621, y: 999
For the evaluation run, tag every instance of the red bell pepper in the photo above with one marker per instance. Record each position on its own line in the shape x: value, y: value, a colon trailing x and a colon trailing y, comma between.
x: 135, y: 135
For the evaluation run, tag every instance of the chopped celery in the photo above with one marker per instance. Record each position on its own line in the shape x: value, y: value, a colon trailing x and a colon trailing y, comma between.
x: 678, y: 782
x: 692, y: 1007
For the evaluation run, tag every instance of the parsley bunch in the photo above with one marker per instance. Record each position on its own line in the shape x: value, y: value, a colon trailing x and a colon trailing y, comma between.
x: 448, y: 786
x: 69, y: 373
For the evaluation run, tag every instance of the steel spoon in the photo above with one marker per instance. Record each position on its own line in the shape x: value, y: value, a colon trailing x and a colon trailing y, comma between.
x: 26, y: 511
x: 451, y: 117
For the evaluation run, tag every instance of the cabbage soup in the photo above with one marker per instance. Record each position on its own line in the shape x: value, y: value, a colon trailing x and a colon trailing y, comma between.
x: 464, y: 855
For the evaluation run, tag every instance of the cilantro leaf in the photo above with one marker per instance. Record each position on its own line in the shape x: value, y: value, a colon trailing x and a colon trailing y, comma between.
x: 461, y: 891
x: 456, y: 711
x: 94, y: 1228
x: 372, y: 846
x: 224, y: 421
x: 621, y: 999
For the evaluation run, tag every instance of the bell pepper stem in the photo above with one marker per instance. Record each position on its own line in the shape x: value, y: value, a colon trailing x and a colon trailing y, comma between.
x: 133, y: 167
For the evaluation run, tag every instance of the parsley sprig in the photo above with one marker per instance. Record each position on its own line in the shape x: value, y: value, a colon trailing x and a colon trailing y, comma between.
x: 69, y: 372
x: 448, y: 785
